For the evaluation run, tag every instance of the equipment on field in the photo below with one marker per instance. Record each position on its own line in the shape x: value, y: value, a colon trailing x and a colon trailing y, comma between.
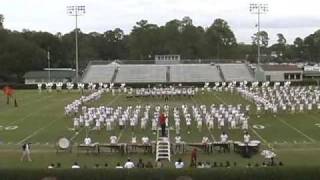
x: 63, y: 144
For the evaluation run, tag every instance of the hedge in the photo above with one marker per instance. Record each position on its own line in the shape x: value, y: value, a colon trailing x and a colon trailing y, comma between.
x: 269, y: 173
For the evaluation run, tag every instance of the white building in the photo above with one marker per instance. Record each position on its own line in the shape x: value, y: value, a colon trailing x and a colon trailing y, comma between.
x: 281, y: 72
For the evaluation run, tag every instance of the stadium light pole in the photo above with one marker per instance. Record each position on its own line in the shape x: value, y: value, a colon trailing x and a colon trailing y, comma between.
x: 258, y: 9
x: 76, y: 11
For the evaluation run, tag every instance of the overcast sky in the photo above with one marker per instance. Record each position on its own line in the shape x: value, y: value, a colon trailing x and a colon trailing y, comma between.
x: 293, y: 18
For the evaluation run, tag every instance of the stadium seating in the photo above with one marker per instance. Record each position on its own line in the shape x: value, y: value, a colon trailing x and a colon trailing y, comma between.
x: 142, y: 73
x: 236, y: 72
x: 194, y: 73
x: 99, y: 73
x: 151, y: 73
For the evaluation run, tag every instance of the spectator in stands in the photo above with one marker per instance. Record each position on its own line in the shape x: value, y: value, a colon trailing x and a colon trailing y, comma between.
x: 75, y: 165
x: 194, y: 156
x: 51, y: 166
x: 97, y: 166
x: 215, y: 164
x: 140, y: 164
x: 58, y: 165
x: 264, y: 164
x: 227, y: 164
x: 179, y: 164
x: 118, y: 166
x: 200, y: 165
x: 129, y: 164
x: 159, y: 164
x: 207, y: 165
x: 162, y: 122
x: 149, y: 165
x: 249, y: 165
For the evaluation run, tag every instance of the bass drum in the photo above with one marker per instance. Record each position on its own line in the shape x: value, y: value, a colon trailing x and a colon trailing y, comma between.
x: 64, y: 143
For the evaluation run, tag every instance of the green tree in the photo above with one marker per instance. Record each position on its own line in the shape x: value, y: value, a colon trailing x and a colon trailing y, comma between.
x: 144, y: 40
x: 312, y: 46
x: 220, y: 39
x: 1, y: 21
x: 298, y: 48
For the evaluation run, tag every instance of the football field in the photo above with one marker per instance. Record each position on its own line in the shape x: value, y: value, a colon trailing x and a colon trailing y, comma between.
x: 40, y: 119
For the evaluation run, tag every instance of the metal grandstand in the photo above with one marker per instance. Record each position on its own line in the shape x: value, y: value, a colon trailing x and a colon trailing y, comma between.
x: 138, y: 71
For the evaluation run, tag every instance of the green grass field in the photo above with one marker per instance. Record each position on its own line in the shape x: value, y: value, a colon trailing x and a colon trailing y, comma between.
x: 39, y: 118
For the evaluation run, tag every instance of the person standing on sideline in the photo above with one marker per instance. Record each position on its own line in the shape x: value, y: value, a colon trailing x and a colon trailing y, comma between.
x: 26, y: 150
x: 194, y: 156
x: 162, y: 122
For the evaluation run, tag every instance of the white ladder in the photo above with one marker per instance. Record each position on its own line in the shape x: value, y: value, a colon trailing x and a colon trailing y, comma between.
x: 163, y: 146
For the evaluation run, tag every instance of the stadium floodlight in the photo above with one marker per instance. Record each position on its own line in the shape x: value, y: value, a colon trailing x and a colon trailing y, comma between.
x: 76, y: 11
x: 258, y: 9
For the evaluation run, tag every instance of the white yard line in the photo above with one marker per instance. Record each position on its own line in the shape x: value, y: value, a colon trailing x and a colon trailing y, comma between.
x: 119, y: 136
x: 42, y: 128
x: 27, y: 116
x: 257, y: 134
x: 314, y: 117
x: 36, y: 132
x: 222, y: 101
x: 297, y: 130
x: 25, y: 104
x: 76, y: 134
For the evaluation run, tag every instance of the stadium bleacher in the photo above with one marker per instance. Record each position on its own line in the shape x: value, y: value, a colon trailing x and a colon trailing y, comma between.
x: 154, y: 73
x: 236, y: 72
x: 141, y: 73
x: 99, y: 73
x: 194, y: 73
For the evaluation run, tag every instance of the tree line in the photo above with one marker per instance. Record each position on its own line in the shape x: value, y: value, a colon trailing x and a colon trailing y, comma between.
x: 27, y: 50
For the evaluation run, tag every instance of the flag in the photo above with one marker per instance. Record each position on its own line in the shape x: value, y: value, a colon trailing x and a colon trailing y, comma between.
x: 8, y: 91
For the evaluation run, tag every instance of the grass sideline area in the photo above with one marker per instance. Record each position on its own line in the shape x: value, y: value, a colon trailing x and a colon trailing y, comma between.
x: 39, y: 118
x: 284, y: 173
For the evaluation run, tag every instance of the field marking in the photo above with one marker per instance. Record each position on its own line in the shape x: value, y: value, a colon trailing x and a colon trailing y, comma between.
x: 44, y: 127
x: 222, y: 101
x: 76, y: 134
x: 24, y: 104
x: 314, y: 117
x: 297, y: 130
x: 257, y: 134
x: 29, y: 115
x: 37, y: 131
x: 119, y: 136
